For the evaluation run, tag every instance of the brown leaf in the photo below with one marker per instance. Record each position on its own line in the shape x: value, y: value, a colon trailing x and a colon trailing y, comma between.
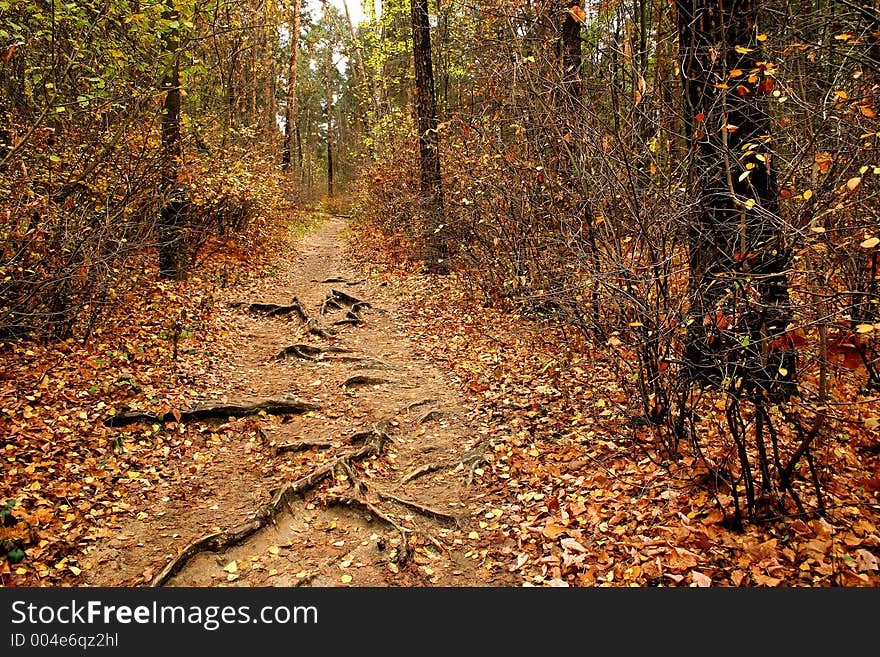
x: 700, y: 579
x: 764, y: 580
x: 680, y: 560
x: 866, y: 561
x: 763, y: 551
x: 571, y: 545
x: 553, y: 531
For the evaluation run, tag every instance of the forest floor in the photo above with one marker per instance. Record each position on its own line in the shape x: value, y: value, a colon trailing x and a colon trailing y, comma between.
x: 431, y: 441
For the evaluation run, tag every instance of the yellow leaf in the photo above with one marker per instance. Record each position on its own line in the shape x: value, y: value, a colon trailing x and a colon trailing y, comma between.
x: 761, y: 37
x: 74, y: 570
x: 231, y: 567
x: 473, y: 535
x: 808, y: 194
x: 750, y: 204
x: 864, y: 328
x: 870, y: 243
x: 346, y: 578
x: 274, y: 549
x: 742, y: 50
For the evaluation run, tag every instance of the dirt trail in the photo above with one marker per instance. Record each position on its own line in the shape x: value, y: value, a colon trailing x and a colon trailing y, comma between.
x: 401, y: 517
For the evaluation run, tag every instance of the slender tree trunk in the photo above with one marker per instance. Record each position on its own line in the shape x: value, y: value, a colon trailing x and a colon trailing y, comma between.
x: 172, y: 214
x: 329, y: 112
x: 429, y: 141
x: 738, y: 259
x: 292, y: 111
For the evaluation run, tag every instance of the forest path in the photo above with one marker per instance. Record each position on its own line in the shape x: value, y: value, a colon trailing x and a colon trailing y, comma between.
x: 391, y: 438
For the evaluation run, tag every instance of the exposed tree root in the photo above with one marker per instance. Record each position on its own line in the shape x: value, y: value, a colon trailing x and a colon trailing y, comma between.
x: 416, y: 404
x: 355, y: 500
x: 301, y: 446
x: 274, y: 309
x: 360, y: 436
x: 338, y: 280
x: 281, y: 499
x: 372, y: 364
x: 330, y: 304
x: 313, y: 328
x: 363, y: 380
x: 350, y: 318
x: 421, y: 472
x: 431, y: 415
x: 208, y: 411
x: 347, y: 300
x: 311, y: 352
x: 415, y: 506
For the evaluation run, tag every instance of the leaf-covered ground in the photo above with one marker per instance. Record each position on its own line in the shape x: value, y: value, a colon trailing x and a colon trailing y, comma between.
x: 68, y: 480
x: 576, y: 501
x: 564, y: 494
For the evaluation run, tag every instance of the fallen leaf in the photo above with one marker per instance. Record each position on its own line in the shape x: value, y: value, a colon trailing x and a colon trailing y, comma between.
x: 700, y: 579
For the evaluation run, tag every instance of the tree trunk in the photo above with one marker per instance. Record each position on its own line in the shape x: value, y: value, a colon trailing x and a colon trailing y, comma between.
x: 431, y: 187
x: 291, y: 112
x: 739, y: 302
x: 173, y: 211
x: 570, y: 46
x: 329, y: 113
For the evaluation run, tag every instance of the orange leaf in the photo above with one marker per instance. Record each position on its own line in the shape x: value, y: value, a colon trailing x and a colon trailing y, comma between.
x: 823, y: 161
x: 766, y: 86
x: 577, y: 13
x: 553, y: 531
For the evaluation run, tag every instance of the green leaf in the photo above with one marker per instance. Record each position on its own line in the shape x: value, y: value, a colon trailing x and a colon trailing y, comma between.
x: 15, y: 556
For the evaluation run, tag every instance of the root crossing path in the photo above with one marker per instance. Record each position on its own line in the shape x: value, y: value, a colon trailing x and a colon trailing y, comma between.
x: 355, y: 458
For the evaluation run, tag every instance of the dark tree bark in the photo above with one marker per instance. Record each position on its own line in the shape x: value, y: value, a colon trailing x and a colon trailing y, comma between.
x: 291, y: 111
x: 173, y: 212
x: 739, y: 301
x: 431, y: 187
x: 570, y: 48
